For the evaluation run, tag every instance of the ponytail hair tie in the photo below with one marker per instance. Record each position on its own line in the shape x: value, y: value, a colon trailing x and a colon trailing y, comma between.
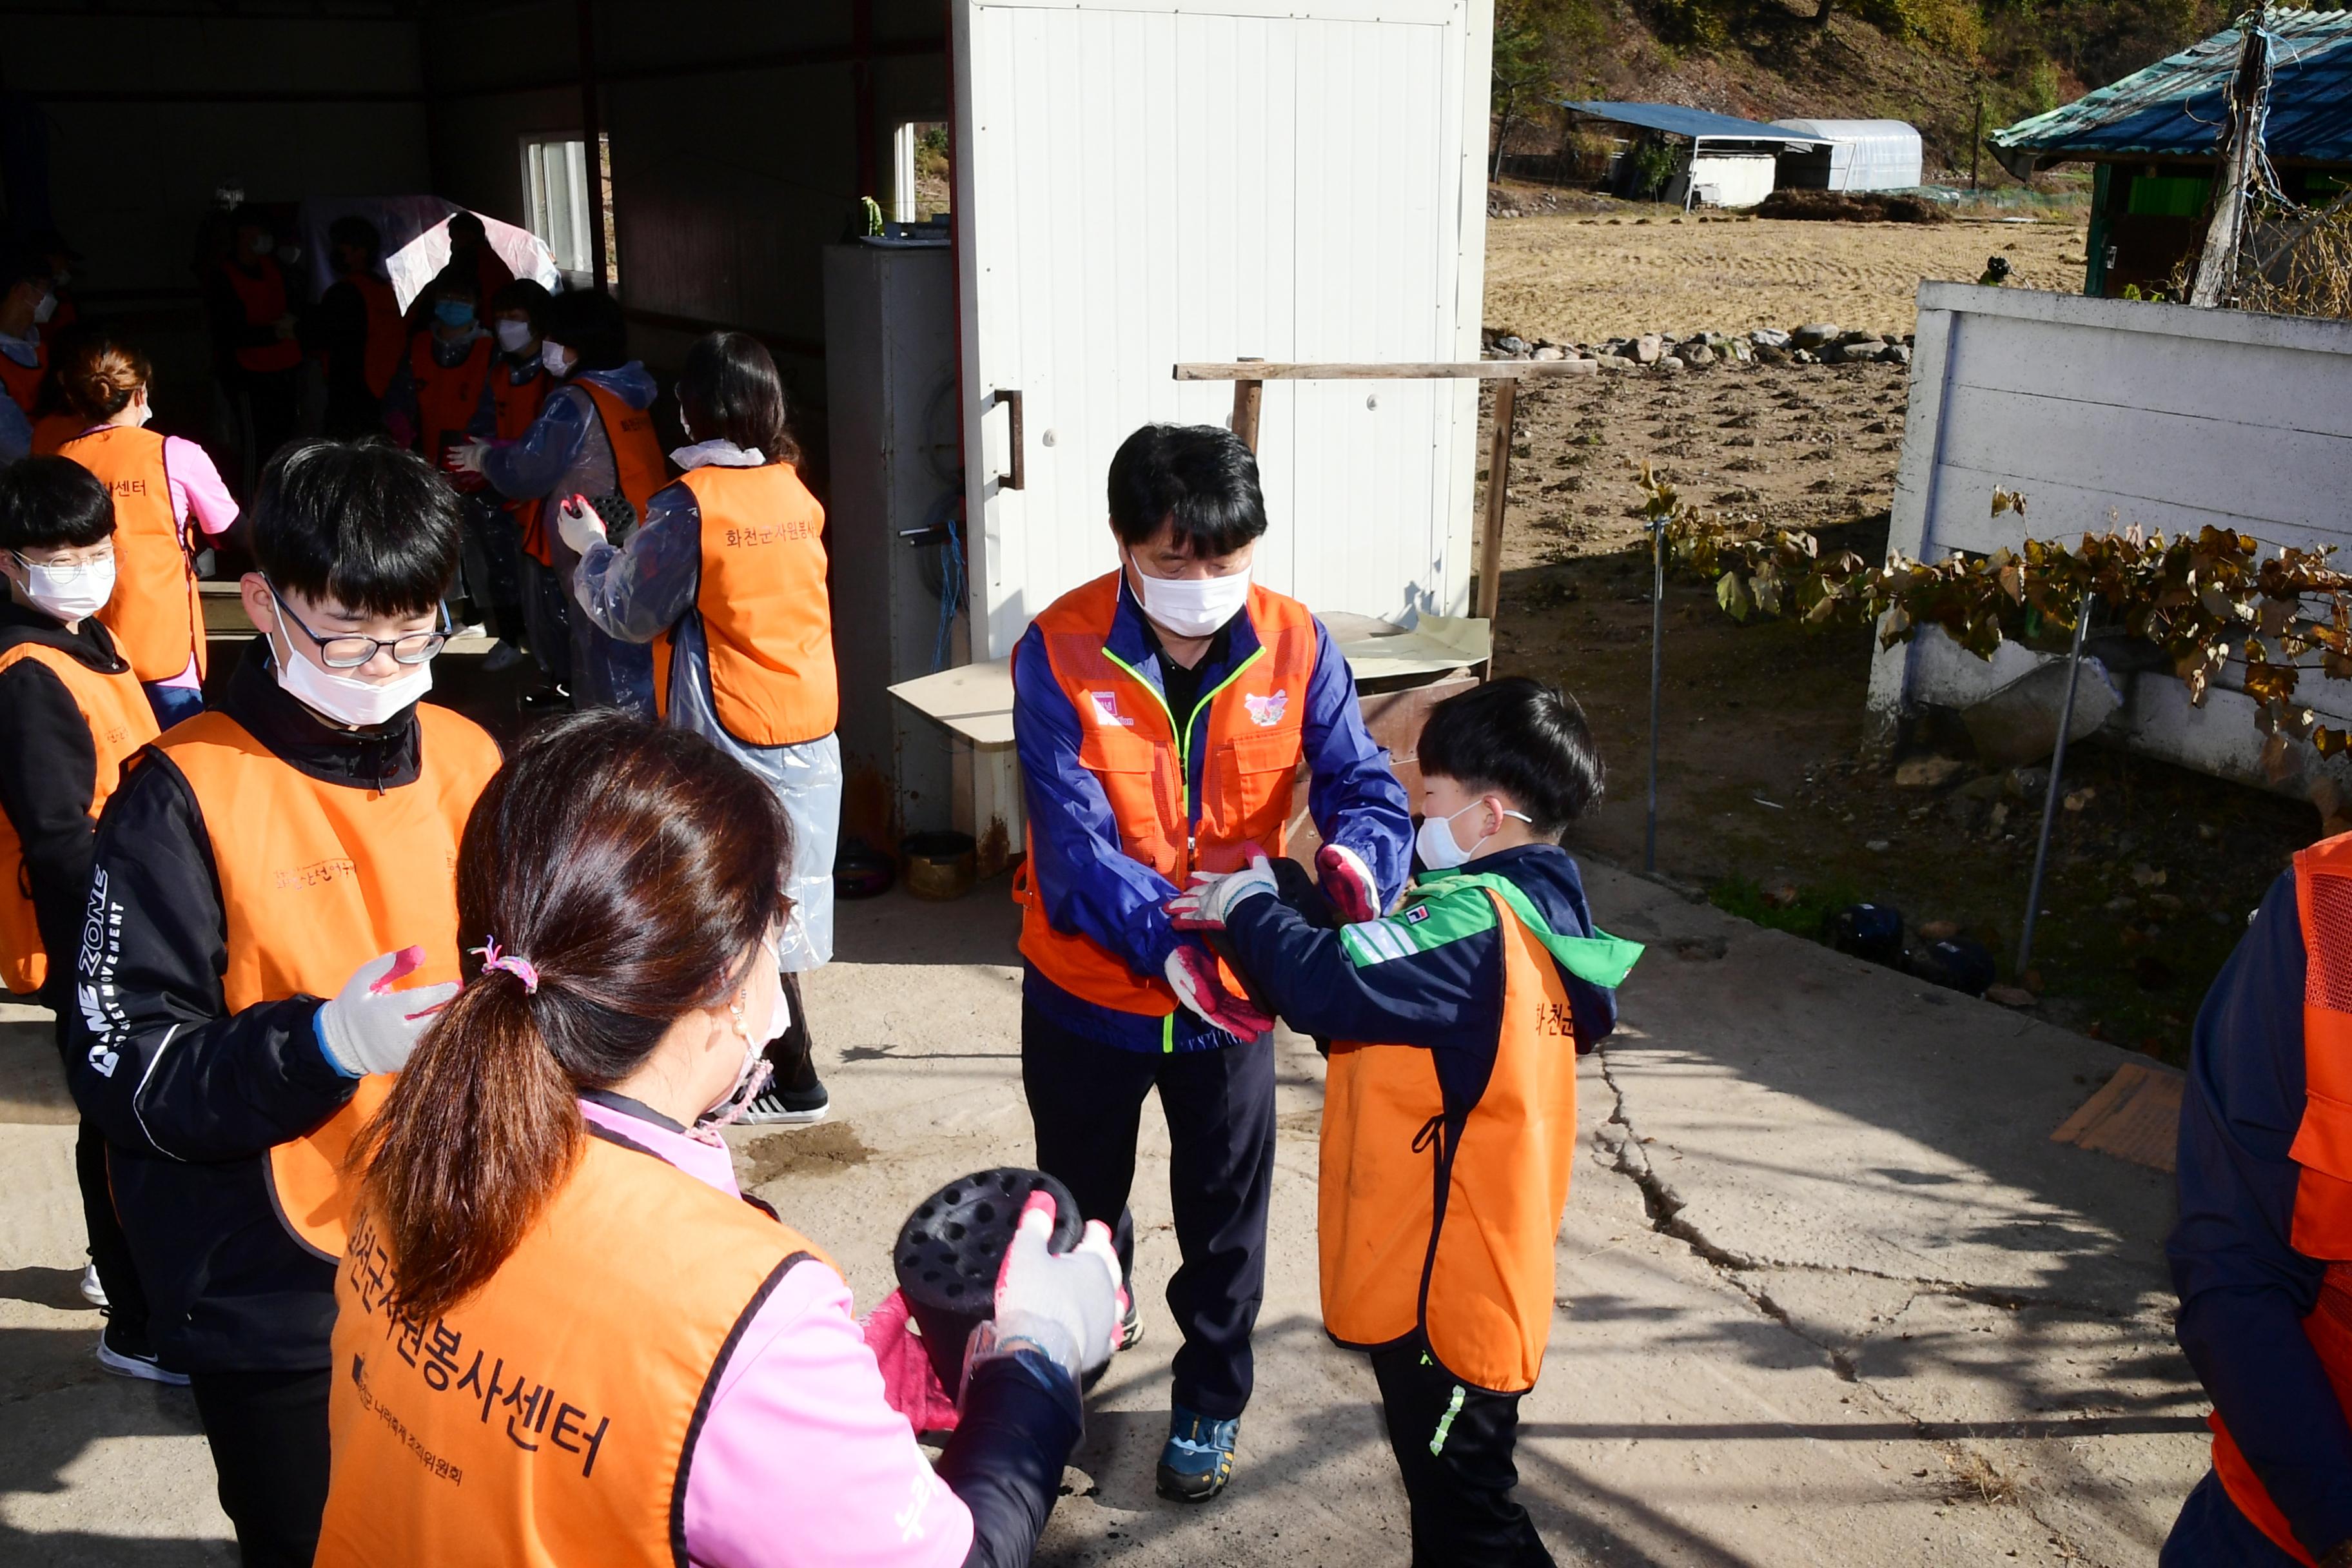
x: 521, y: 968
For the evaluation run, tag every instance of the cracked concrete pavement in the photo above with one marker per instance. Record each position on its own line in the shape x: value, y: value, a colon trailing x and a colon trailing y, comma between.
x: 1827, y: 1292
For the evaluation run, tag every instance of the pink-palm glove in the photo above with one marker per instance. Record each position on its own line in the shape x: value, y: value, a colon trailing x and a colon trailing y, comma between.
x: 367, y: 1027
x: 1067, y: 1304
x: 1208, y: 903
x: 1192, y: 973
x: 1348, y: 882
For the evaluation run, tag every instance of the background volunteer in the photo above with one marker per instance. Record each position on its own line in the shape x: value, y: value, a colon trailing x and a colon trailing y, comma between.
x: 72, y: 716
x: 1161, y: 713
x: 726, y: 579
x: 512, y: 394
x: 27, y: 303
x: 293, y: 844
x: 357, y: 330
x: 166, y: 492
x: 545, y: 1208
x: 594, y: 437
x: 255, y: 351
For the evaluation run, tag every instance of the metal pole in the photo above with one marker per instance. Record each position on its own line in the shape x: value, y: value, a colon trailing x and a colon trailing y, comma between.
x: 1657, y: 671
x: 2049, y: 796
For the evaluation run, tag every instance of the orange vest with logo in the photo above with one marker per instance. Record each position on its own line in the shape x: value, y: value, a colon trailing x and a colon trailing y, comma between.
x: 316, y: 879
x: 1452, y: 1236
x: 121, y: 721
x: 23, y: 381
x: 515, y: 407
x: 2322, y: 1149
x: 639, y: 466
x: 447, y: 396
x: 264, y: 298
x: 155, y: 614
x: 767, y: 623
x: 1254, y: 738
x: 387, y: 333
x: 549, y: 1418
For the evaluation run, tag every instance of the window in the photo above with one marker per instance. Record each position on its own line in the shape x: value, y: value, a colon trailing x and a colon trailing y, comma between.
x: 556, y: 191
x: 923, y: 179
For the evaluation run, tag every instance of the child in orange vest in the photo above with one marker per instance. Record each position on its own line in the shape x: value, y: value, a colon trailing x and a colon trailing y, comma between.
x: 1458, y: 1020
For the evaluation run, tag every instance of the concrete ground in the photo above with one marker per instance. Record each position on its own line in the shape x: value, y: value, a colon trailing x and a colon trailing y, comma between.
x: 1827, y: 1292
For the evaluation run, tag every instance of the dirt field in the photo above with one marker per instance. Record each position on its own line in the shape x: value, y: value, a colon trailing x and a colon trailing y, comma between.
x: 1581, y: 279
x: 1763, y: 801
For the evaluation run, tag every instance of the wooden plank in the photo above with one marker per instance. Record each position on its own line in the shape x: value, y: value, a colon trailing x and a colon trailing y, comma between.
x: 1498, y: 495
x: 1473, y: 369
x: 2134, y: 1116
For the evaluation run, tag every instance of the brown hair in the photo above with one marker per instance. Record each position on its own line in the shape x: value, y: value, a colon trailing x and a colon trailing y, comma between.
x: 729, y: 388
x: 631, y: 865
x: 97, y: 375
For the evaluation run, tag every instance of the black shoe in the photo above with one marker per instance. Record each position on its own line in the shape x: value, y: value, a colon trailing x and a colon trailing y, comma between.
x: 794, y: 1096
x: 546, y: 699
x: 1131, y: 1326
x: 127, y: 1354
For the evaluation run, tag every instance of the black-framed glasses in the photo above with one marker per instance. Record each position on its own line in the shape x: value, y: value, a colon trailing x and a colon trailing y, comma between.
x: 350, y: 651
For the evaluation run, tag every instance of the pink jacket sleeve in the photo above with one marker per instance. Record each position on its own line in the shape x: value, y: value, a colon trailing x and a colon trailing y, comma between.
x: 800, y: 1461
x: 196, y: 487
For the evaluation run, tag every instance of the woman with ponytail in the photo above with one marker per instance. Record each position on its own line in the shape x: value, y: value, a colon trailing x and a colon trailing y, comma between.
x: 563, y: 1334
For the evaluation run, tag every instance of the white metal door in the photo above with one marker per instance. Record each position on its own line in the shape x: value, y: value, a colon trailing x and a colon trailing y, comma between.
x: 1136, y: 186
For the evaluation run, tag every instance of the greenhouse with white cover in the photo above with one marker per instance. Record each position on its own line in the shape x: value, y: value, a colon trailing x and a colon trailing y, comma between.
x: 1857, y: 155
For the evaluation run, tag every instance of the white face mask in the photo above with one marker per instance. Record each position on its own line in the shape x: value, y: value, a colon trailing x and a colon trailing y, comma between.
x: 362, y: 704
x: 556, y: 358
x: 68, y: 593
x: 1440, y: 852
x: 753, y: 1075
x: 1191, y: 606
x: 44, y: 310
x: 513, y: 336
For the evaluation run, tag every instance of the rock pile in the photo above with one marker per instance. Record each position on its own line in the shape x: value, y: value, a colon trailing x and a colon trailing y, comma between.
x: 1814, y: 342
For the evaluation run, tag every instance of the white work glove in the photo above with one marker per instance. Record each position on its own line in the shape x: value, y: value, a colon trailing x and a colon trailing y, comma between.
x: 368, y: 1027
x: 577, y: 521
x: 466, y: 457
x: 1208, y: 903
x: 1065, y: 1304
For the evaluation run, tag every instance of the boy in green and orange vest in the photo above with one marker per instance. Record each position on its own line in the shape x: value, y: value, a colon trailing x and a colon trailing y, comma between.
x: 1458, y: 1021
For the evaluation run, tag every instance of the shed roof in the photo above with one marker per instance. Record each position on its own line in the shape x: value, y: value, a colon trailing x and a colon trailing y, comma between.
x: 1676, y: 121
x: 1854, y: 130
x: 2175, y: 108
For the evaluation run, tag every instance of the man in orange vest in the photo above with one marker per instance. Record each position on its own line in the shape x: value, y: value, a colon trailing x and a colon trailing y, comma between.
x: 2262, y: 1254
x: 357, y: 331
x: 72, y: 712
x: 1479, y: 992
x: 271, y: 919
x: 256, y: 351
x: 1162, y: 712
x: 28, y: 302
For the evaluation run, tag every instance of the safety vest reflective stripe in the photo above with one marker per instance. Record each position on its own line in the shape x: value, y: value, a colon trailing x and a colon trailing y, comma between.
x: 639, y: 466
x: 387, y: 333
x: 263, y: 295
x: 24, y: 381
x: 514, y: 407
x: 1451, y: 1231
x: 315, y: 879
x: 2323, y: 1151
x: 1253, y: 744
x: 119, y: 721
x: 446, y: 395
x: 548, y: 1417
x: 767, y: 623
x: 155, y: 613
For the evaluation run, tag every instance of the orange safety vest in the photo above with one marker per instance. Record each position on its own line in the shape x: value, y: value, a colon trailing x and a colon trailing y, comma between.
x: 387, y: 333
x: 1254, y: 737
x: 121, y: 721
x: 515, y: 405
x: 2322, y: 1149
x: 24, y: 382
x: 447, y: 396
x: 264, y: 298
x: 767, y: 623
x: 548, y: 1417
x: 316, y: 879
x: 52, y: 431
x: 155, y: 614
x: 1451, y: 1233
x: 639, y: 466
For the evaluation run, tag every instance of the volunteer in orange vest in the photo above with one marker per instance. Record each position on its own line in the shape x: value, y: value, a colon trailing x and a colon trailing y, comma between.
x: 565, y: 1335
x: 498, y: 532
x: 71, y: 715
x: 470, y: 251
x: 438, y: 387
x: 1447, y: 1141
x: 272, y: 915
x: 726, y: 579
x: 256, y: 351
x: 2261, y: 1253
x: 357, y: 330
x: 27, y: 303
x: 1162, y: 712
x: 594, y: 437
x: 167, y: 496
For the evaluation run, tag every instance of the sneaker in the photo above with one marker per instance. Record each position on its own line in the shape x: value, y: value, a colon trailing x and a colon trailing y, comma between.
x: 1131, y: 1326
x: 126, y: 1354
x: 92, y: 1290
x: 794, y: 1096
x: 506, y: 656
x: 777, y: 1107
x: 1198, y: 1460
x: 547, y: 699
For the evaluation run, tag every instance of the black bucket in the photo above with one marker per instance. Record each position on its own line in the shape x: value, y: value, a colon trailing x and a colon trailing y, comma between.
x: 951, y: 1246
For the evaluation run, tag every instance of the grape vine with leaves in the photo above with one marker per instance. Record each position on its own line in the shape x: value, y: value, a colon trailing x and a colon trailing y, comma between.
x: 2201, y: 599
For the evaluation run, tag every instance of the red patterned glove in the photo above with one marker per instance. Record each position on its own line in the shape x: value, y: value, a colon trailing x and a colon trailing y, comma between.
x: 1192, y: 972
x: 1348, y: 882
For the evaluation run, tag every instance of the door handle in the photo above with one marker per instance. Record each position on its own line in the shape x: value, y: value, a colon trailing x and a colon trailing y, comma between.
x: 1017, y: 479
